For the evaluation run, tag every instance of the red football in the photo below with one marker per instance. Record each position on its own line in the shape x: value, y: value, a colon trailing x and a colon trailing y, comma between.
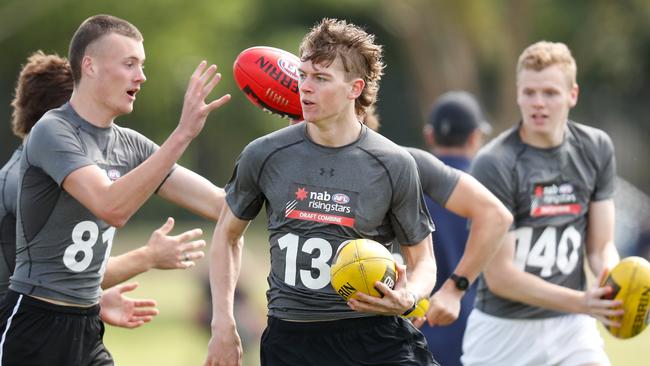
x: 269, y: 78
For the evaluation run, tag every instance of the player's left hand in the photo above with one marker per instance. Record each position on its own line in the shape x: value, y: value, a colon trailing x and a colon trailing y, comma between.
x: 394, y: 302
x: 444, y: 305
x: 121, y: 311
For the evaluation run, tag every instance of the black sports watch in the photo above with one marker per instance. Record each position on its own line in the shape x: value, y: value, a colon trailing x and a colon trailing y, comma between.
x: 462, y: 283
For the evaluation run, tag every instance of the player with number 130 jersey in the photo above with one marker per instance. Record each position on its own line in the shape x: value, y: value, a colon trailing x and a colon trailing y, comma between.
x: 314, y: 205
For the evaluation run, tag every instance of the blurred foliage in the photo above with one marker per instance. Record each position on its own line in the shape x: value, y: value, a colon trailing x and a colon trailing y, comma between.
x: 430, y: 46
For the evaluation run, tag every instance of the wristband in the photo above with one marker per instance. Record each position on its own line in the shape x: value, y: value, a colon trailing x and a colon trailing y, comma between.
x: 415, y: 304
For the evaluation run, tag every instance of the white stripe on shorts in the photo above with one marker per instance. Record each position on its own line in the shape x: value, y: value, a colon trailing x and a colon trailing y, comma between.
x: 4, y: 334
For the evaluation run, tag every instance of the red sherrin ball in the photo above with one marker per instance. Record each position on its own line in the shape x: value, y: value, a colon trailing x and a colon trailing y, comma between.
x: 269, y: 78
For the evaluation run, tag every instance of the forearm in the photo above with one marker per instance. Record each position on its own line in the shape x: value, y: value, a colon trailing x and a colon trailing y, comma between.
x: 193, y: 192
x: 486, y: 235
x: 127, y: 194
x: 607, y: 257
x: 125, y: 267
x: 421, y: 268
x: 517, y: 285
x: 225, y: 264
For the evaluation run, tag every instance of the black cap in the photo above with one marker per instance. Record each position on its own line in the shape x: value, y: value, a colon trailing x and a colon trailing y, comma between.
x: 455, y: 116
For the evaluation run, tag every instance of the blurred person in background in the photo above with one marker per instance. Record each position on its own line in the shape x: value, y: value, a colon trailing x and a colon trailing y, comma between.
x: 556, y: 177
x: 454, y: 133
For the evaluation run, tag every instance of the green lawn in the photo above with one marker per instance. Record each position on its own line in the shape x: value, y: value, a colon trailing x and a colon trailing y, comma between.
x: 175, y: 338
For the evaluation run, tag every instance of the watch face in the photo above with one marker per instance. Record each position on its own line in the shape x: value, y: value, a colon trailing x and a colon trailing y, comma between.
x: 462, y: 283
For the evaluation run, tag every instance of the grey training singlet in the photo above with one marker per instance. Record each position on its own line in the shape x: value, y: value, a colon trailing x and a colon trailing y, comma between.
x: 317, y: 198
x: 62, y: 248
x: 548, y: 191
x: 8, y: 196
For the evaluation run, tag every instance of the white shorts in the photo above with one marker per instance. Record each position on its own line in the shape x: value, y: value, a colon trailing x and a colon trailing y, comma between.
x: 567, y: 340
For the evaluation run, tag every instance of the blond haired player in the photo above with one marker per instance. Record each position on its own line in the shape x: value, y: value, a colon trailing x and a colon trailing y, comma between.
x: 556, y: 176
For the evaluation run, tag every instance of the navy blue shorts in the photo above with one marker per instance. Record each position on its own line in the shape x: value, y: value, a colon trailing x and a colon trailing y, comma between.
x: 38, y: 333
x: 376, y: 340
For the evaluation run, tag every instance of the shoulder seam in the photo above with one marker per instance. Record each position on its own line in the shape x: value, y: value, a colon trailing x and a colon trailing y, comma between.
x: 259, y: 174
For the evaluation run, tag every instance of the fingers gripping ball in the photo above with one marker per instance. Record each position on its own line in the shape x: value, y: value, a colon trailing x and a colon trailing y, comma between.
x: 630, y: 281
x: 358, y: 264
x: 420, y: 310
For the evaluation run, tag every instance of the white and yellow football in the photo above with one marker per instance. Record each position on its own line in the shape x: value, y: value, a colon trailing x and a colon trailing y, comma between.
x: 358, y: 265
x: 630, y: 281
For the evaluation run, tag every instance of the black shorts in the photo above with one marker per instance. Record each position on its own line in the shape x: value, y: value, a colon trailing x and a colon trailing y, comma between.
x: 37, y: 333
x: 376, y: 340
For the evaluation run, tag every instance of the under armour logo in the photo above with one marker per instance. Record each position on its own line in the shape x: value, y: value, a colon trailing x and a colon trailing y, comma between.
x: 330, y: 171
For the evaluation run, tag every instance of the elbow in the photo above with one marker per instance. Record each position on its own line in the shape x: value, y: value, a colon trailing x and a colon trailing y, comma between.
x: 501, y: 217
x: 496, y: 283
x: 116, y: 218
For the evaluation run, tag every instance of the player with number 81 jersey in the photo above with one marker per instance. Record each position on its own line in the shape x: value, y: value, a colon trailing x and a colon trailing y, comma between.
x: 61, y: 247
x: 548, y: 191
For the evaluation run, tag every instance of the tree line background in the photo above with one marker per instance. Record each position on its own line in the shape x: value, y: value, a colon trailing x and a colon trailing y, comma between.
x: 431, y: 46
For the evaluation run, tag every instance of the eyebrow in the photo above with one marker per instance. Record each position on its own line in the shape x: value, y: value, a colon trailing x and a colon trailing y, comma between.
x: 134, y: 58
x: 317, y: 73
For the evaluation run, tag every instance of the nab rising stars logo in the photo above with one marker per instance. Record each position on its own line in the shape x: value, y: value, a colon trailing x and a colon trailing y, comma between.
x: 113, y: 174
x: 311, y: 203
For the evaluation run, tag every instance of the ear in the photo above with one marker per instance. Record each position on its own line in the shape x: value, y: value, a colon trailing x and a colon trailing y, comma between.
x: 573, y: 95
x: 88, y: 66
x: 357, y: 87
x: 429, y: 136
x: 474, y: 141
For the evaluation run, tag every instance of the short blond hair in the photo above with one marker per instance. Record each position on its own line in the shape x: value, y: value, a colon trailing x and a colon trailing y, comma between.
x: 543, y: 54
x: 356, y: 48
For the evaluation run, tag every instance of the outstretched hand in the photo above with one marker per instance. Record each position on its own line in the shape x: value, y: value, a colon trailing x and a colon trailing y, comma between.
x: 195, y: 109
x: 174, y: 252
x: 121, y: 311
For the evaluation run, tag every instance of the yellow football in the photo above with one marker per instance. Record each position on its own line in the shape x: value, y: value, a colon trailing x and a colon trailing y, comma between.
x: 630, y: 281
x: 420, y: 309
x: 358, y: 264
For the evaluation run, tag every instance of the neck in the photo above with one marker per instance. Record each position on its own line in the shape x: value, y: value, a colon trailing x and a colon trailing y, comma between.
x: 89, y: 107
x: 451, y: 151
x: 542, y: 140
x: 335, y: 133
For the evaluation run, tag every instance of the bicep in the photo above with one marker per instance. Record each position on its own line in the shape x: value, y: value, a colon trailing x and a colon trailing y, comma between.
x: 600, y: 227
x: 418, y: 252
x: 87, y: 185
x: 230, y: 227
x: 469, y: 197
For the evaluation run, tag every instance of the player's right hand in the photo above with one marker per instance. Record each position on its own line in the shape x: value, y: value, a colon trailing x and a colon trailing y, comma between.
x: 224, y: 349
x: 600, y: 308
x: 174, y: 252
x: 195, y: 110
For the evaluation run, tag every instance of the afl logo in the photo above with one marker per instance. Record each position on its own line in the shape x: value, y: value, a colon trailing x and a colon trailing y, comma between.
x: 113, y: 174
x: 340, y: 198
x: 289, y: 68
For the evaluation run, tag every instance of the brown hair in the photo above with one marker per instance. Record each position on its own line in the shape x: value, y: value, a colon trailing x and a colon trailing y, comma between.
x: 543, y: 54
x: 90, y: 31
x: 360, y: 56
x: 44, y: 83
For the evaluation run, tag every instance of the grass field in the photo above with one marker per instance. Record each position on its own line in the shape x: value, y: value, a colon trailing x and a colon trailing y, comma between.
x: 175, y: 338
